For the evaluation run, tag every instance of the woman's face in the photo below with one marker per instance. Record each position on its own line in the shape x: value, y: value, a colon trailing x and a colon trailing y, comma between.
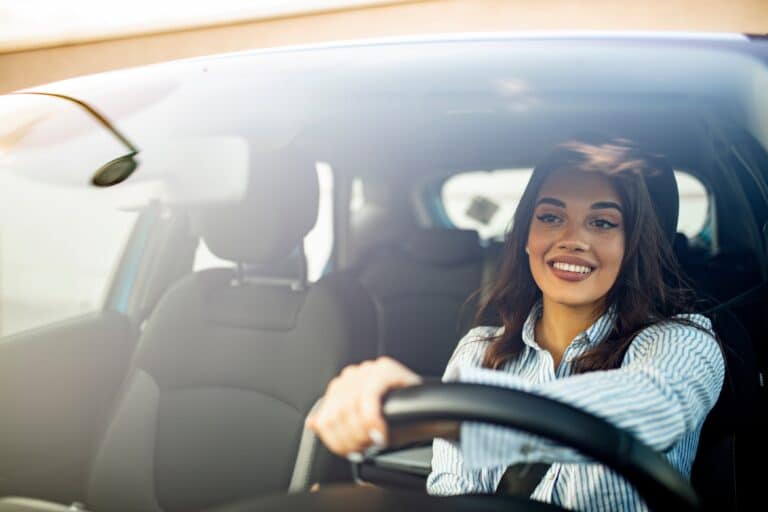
x: 576, y: 238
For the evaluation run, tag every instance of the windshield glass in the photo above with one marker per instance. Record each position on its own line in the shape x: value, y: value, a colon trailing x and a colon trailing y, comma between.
x: 190, y: 251
x: 60, y: 242
x: 204, y: 129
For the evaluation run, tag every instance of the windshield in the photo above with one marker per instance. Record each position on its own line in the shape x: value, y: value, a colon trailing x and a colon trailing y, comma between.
x: 181, y: 234
x: 201, y: 128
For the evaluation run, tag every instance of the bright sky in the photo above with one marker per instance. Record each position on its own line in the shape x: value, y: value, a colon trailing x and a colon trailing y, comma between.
x: 29, y: 23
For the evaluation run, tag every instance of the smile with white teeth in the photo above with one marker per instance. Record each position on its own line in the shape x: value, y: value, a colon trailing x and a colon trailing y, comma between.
x: 579, y: 269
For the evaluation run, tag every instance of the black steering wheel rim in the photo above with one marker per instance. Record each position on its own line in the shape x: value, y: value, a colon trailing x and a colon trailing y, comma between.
x: 660, y: 485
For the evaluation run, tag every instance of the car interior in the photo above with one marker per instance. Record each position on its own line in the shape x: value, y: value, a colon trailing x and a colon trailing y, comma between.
x: 189, y: 388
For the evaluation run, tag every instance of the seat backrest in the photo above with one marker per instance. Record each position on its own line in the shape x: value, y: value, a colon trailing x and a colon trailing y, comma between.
x: 229, y: 363
x: 420, y: 288
x: 723, y: 472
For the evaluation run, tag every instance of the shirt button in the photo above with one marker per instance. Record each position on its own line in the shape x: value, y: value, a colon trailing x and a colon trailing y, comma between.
x: 569, y: 359
x: 525, y: 449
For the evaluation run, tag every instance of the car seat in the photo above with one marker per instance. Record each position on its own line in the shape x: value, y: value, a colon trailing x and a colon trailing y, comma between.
x: 420, y: 286
x: 230, y: 362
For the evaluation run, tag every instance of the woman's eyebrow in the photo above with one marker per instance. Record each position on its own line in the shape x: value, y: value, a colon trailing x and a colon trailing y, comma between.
x: 552, y: 201
x: 605, y: 204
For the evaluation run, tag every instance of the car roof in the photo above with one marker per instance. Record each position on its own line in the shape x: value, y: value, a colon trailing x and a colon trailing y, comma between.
x: 397, y: 105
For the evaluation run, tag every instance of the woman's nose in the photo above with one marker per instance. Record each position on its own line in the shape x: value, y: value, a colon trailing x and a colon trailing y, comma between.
x: 573, y: 239
x: 573, y: 244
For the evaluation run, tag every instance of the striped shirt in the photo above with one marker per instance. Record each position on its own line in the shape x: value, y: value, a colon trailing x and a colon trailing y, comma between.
x: 669, y: 380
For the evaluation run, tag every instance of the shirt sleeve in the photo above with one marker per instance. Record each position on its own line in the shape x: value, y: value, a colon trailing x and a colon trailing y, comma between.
x: 670, y: 379
x: 449, y: 475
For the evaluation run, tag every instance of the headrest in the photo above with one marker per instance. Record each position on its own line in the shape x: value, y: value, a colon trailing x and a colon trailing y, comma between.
x: 680, y: 246
x: 443, y: 246
x: 662, y: 188
x: 269, y: 223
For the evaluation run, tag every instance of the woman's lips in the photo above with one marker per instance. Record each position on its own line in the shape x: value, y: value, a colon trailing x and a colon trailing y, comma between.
x: 567, y: 275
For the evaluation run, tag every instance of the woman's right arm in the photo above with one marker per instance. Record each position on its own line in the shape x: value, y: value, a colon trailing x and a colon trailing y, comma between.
x: 449, y: 475
x: 349, y: 419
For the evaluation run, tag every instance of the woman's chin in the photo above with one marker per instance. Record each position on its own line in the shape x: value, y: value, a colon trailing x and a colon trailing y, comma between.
x: 575, y: 301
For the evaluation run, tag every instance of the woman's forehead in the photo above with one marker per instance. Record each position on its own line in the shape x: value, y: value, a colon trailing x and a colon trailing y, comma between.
x: 579, y: 186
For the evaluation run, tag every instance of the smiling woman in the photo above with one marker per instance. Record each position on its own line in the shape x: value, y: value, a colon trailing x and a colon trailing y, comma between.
x: 588, y: 204
x: 574, y: 239
x: 588, y: 285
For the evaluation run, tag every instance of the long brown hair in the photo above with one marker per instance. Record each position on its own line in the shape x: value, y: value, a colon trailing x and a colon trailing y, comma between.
x: 649, y: 288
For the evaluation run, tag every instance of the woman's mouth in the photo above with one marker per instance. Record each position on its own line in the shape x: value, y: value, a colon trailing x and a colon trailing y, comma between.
x: 570, y: 271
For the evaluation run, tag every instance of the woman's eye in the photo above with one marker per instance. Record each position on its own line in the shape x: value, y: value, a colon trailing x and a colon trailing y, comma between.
x: 603, y: 224
x: 548, y: 218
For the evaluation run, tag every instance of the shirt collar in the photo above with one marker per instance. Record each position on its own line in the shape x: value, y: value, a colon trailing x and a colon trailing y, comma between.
x: 592, y: 336
x: 529, y: 326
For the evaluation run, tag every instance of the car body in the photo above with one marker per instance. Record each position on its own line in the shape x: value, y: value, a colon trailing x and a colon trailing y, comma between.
x: 409, y: 138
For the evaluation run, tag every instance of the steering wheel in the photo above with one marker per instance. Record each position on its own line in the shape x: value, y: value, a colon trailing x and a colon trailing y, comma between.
x: 427, y: 405
x: 661, y: 486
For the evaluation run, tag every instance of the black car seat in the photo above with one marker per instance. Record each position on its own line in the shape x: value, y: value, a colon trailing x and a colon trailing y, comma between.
x: 732, y: 441
x: 722, y: 472
x: 420, y: 286
x: 729, y: 448
x: 230, y: 363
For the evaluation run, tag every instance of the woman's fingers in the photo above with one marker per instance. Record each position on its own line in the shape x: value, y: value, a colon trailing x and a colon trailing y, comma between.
x: 349, y: 418
x: 371, y: 420
x: 334, y: 422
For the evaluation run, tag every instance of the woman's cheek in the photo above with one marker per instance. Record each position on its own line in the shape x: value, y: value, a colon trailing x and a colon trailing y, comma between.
x: 613, y: 257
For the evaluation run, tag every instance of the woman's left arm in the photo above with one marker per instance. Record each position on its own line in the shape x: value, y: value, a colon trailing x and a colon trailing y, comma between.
x: 670, y: 379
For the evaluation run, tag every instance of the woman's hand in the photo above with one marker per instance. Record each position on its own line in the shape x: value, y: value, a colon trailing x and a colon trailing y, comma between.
x: 349, y: 418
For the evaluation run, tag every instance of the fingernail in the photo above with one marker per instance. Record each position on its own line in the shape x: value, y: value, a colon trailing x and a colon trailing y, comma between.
x: 355, y: 457
x: 377, y: 437
x: 373, y: 450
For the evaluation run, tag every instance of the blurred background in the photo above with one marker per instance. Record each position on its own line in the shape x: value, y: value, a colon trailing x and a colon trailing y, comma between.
x: 46, y: 40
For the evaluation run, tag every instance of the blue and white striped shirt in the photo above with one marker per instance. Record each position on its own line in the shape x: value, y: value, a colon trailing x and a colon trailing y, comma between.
x: 669, y: 380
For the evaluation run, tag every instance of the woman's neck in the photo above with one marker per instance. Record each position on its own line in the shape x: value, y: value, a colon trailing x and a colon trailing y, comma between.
x: 560, y: 324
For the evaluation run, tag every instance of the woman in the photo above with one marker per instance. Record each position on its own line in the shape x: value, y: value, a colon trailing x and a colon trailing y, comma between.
x: 589, y: 318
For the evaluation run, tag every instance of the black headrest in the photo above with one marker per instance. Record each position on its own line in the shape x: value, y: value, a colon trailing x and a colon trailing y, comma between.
x: 443, y: 246
x: 662, y: 188
x: 680, y: 246
x: 269, y: 223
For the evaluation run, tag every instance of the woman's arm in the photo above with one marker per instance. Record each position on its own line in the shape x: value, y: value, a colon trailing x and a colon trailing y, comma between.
x: 671, y: 377
x: 449, y: 475
x: 348, y: 419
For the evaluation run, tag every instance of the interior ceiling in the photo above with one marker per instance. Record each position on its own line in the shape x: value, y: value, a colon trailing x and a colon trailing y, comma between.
x: 436, y: 108
x: 446, y: 142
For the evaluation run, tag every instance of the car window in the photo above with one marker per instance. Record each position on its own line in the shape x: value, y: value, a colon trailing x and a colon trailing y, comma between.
x: 58, y: 252
x: 60, y: 241
x: 486, y: 201
x: 317, y: 244
x: 694, y: 204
